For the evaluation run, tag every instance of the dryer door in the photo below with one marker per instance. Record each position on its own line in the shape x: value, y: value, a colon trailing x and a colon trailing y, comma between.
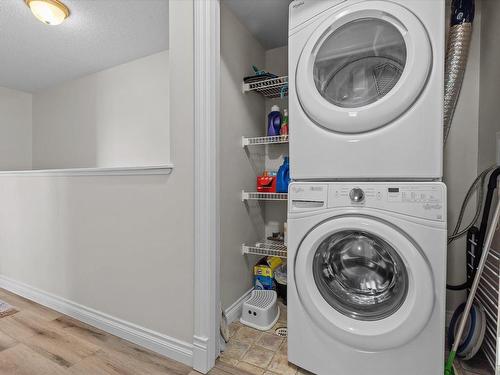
x: 364, y: 282
x: 363, y: 67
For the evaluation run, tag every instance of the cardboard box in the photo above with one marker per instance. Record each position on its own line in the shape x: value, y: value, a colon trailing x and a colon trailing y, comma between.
x: 263, y: 273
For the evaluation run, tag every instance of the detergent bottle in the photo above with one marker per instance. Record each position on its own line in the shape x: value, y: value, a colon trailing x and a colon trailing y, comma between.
x: 283, y: 178
x: 284, y: 125
x: 274, y: 121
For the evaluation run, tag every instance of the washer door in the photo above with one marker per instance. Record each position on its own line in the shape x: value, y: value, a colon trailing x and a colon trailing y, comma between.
x: 363, y: 67
x: 364, y: 282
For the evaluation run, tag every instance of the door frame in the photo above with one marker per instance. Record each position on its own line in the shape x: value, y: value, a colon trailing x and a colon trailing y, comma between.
x: 207, y: 309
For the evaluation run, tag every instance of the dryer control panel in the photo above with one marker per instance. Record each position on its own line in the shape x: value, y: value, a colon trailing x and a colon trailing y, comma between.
x: 423, y: 200
x: 301, y: 11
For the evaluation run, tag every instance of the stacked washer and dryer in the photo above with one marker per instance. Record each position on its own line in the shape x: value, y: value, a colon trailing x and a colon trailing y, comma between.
x: 367, y: 210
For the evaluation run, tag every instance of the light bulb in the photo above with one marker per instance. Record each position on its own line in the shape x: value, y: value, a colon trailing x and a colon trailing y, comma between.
x: 50, y: 12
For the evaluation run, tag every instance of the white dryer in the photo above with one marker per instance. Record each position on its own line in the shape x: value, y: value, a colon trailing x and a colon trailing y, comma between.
x: 367, y: 278
x: 366, y: 89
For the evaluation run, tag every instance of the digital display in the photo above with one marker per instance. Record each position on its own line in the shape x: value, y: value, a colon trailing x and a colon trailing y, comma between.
x: 393, y: 190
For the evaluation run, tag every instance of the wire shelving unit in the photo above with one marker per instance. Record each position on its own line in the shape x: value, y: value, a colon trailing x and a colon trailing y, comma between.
x: 254, y: 141
x: 270, y: 88
x: 258, y: 196
x: 271, y: 248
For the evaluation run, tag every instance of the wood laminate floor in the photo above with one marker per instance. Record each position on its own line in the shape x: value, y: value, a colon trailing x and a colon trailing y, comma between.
x: 40, y: 341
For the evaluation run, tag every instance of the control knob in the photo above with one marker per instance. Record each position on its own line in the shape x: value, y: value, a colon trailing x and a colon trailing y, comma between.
x: 357, y: 195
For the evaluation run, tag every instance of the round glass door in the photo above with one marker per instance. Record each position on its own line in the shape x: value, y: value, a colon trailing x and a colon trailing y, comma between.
x: 363, y: 67
x: 360, y: 275
x: 363, y: 281
x: 360, y: 62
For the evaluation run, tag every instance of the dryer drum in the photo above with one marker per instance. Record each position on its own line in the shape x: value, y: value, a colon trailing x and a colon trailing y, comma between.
x: 375, y: 74
x: 353, y: 73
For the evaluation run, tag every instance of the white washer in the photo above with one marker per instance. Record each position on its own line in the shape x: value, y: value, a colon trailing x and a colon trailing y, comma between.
x: 367, y: 278
x: 366, y: 89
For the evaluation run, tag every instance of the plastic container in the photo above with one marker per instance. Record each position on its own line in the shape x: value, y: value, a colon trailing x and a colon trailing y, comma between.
x: 280, y: 277
x: 283, y: 178
x: 274, y: 121
x: 266, y: 183
x: 284, y: 123
x: 285, y: 233
x: 261, y: 310
x: 263, y: 273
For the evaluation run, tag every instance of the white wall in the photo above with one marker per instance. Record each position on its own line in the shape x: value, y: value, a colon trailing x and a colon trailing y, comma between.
x: 116, y: 117
x: 122, y: 245
x: 461, y: 159
x: 471, y: 145
x: 276, y: 63
x: 109, y: 243
x: 15, y: 129
x: 489, y: 113
x: 241, y: 115
x: 489, y: 118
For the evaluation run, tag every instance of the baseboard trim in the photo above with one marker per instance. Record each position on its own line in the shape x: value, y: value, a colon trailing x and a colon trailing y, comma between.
x: 167, y: 346
x: 233, y: 312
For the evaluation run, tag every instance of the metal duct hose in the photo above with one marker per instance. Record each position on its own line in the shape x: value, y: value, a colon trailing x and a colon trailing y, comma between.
x: 459, y: 38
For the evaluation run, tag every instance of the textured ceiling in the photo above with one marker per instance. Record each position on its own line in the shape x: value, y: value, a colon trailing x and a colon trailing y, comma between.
x: 98, y: 34
x: 267, y: 20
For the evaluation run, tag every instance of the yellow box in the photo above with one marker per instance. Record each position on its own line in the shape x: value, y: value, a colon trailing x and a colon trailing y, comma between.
x: 263, y: 272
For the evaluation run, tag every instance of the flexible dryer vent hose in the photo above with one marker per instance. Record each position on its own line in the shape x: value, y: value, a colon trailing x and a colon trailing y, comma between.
x: 459, y: 38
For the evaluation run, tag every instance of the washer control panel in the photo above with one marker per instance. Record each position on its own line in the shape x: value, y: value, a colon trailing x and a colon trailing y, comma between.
x: 423, y: 200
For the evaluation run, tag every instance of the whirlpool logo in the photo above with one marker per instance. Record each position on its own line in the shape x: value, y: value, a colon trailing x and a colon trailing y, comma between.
x: 297, y: 4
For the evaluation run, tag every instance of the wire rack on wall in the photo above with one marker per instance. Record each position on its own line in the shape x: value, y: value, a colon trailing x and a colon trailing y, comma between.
x: 270, y: 88
x: 245, y: 195
x: 275, y: 139
x: 272, y: 248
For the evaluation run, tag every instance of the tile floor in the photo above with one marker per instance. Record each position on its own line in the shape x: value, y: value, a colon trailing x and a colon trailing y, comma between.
x: 259, y: 353
x: 476, y: 366
x: 265, y: 353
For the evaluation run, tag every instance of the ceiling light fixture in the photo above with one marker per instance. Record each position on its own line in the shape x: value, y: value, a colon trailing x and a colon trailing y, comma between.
x: 50, y: 12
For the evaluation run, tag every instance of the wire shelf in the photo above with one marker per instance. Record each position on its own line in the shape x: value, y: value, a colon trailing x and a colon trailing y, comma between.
x: 270, y: 88
x: 271, y: 248
x: 245, y: 196
x: 276, y: 139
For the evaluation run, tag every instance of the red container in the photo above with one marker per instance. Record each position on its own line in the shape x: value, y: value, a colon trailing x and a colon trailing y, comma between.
x: 266, y: 183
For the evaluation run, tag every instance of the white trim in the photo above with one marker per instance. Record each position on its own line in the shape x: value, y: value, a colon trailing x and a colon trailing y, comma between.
x: 233, y: 312
x: 207, y: 309
x: 162, y: 344
x: 164, y: 169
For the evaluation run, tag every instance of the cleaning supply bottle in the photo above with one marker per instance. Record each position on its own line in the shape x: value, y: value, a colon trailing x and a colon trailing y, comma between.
x: 284, y: 124
x: 274, y: 121
x: 283, y: 178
